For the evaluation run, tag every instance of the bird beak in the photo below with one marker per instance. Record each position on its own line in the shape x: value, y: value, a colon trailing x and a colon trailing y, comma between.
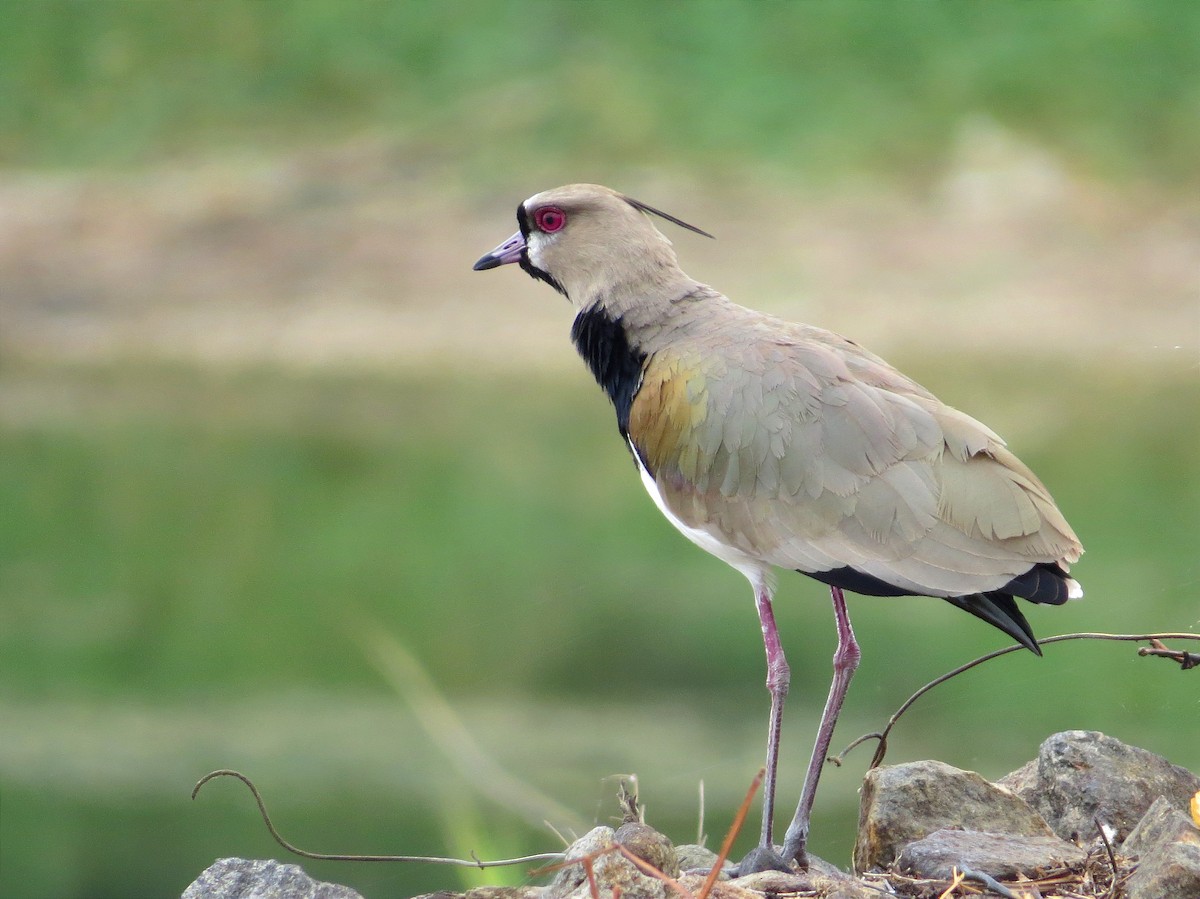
x: 509, y: 251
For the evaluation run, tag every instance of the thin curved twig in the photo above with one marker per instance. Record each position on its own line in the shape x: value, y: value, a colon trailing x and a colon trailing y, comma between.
x: 1186, y: 660
x: 337, y: 857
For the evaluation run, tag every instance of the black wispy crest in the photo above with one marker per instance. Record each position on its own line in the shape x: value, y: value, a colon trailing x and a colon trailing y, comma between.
x: 638, y: 204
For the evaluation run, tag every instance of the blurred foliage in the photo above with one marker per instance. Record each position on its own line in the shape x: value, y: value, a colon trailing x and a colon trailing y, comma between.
x: 174, y: 539
x: 171, y: 499
x: 818, y: 87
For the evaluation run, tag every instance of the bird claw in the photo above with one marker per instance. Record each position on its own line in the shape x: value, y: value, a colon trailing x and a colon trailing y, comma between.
x: 762, y: 858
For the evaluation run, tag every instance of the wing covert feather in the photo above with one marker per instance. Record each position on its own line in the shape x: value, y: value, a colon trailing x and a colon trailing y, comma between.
x: 813, y: 454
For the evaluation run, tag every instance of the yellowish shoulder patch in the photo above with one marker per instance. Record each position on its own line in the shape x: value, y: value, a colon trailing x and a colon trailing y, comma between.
x: 666, y: 412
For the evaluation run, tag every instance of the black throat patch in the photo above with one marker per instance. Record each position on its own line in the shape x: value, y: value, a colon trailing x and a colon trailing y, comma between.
x: 616, y: 366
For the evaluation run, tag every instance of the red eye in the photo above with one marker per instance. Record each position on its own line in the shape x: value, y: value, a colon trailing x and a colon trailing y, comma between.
x: 549, y: 219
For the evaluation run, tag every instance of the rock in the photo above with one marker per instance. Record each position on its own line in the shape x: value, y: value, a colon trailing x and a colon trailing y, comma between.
x: 1023, y: 781
x: 650, y: 846
x: 903, y: 803
x: 850, y: 890
x: 831, y: 882
x: 521, y: 892
x: 239, y: 878
x: 570, y: 878
x: 612, y: 870
x: 1167, y: 846
x: 921, y: 819
x: 1172, y: 872
x: 692, y: 857
x: 822, y: 878
x: 1002, y: 855
x: 774, y: 883
x: 1161, y: 825
x: 722, y: 889
x: 1081, y: 775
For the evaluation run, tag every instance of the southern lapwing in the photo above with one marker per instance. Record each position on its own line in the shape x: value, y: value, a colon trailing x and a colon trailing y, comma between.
x: 780, y: 445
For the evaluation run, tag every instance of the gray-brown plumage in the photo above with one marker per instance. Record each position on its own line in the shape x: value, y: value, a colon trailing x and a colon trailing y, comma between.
x: 773, y: 444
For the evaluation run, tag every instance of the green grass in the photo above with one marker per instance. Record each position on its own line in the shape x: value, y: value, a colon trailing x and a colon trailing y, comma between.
x: 812, y: 89
x: 187, y: 560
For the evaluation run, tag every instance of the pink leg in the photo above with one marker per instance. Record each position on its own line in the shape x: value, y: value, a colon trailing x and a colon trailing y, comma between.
x: 778, y: 677
x: 845, y: 661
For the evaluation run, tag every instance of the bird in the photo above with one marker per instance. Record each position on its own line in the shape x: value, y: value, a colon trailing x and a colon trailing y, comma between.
x: 777, y: 445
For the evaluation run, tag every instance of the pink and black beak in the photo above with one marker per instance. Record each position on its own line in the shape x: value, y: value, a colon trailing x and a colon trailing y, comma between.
x: 510, y: 251
x: 515, y: 249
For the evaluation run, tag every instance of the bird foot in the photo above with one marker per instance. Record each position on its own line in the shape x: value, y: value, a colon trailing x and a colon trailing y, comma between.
x: 763, y: 858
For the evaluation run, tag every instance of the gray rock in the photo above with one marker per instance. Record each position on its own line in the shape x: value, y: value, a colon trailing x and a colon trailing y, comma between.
x: 693, y: 857
x: 774, y: 882
x: 1163, y: 824
x: 903, y: 803
x: 1081, y: 775
x: 722, y: 889
x: 650, y: 846
x: 521, y: 892
x: 611, y: 869
x: 239, y: 878
x: 1001, y: 855
x: 821, y: 878
x: 571, y: 877
x: 1172, y: 872
x: 1023, y: 781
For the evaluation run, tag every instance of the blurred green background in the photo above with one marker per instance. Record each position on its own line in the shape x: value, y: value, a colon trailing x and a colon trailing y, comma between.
x: 285, y: 487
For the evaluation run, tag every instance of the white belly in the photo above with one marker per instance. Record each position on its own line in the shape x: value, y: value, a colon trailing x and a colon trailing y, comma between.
x: 754, y: 569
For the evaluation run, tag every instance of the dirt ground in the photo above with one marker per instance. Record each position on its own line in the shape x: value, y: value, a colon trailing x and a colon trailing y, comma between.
x: 357, y: 256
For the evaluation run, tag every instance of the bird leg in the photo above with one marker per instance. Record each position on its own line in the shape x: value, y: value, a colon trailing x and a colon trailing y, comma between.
x: 845, y: 661
x: 779, y: 675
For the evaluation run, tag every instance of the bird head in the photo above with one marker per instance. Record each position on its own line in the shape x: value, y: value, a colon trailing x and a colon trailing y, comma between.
x: 589, y: 243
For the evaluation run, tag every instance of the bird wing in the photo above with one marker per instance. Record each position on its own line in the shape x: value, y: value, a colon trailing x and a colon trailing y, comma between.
x: 798, y: 448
